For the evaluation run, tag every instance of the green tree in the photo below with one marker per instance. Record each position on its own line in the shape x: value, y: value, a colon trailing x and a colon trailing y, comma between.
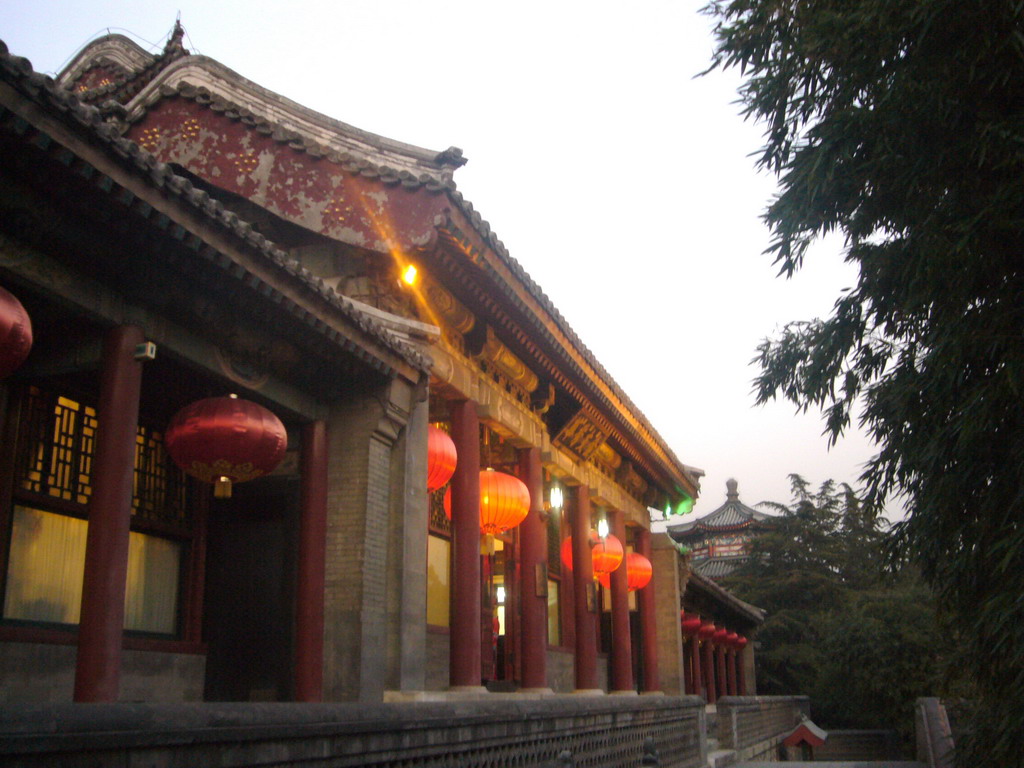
x: 861, y: 641
x: 900, y: 124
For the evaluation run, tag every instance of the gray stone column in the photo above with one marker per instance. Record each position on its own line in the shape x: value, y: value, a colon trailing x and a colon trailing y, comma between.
x: 363, y: 433
x: 407, y: 555
x: 668, y: 602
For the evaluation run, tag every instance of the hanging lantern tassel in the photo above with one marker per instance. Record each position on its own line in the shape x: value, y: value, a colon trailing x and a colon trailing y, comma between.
x: 222, y: 488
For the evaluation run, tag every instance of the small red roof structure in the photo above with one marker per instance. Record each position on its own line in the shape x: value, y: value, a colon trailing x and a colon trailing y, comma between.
x: 805, y: 733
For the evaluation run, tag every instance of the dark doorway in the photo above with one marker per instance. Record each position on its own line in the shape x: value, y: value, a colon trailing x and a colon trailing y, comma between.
x: 250, y: 587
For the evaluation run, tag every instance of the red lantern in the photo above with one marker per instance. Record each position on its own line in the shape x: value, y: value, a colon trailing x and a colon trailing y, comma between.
x: 638, y: 573
x: 706, y: 630
x: 731, y: 639
x: 441, y: 458
x: 719, y: 637
x: 504, y: 502
x: 15, y: 333
x: 222, y: 440
x: 741, y: 643
x: 691, y: 624
x: 605, y: 556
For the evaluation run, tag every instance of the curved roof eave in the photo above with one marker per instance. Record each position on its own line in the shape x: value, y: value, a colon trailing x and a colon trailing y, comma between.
x: 140, y: 164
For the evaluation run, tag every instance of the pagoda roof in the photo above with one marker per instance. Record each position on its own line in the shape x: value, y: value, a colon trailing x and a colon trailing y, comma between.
x: 718, y: 567
x: 316, y: 303
x: 734, y: 515
x: 215, y: 86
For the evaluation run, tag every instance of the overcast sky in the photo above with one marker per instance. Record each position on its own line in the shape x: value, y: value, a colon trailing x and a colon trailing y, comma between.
x: 621, y: 181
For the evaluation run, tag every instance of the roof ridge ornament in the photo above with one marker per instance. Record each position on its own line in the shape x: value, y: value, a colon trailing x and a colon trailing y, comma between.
x: 175, y: 46
x: 730, y: 490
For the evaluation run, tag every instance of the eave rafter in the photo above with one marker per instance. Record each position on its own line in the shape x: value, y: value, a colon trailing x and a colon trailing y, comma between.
x: 523, y: 319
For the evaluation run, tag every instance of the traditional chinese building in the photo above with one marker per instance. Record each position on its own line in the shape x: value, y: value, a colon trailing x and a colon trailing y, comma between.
x: 720, y: 540
x: 176, y: 233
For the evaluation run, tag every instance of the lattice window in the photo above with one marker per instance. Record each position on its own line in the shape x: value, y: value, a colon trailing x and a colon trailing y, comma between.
x: 55, y: 458
x: 58, y: 445
x: 554, y: 546
x: 159, y: 489
x: 439, y: 522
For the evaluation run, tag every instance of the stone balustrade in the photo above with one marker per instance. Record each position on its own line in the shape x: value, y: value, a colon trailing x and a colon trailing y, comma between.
x: 754, y: 726
x: 495, y: 733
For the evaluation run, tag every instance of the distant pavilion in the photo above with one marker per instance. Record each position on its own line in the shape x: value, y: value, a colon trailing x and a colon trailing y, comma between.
x: 720, y: 541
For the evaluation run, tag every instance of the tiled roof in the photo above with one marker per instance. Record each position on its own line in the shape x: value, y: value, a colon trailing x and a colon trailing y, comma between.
x: 700, y: 583
x: 42, y: 90
x: 717, y: 567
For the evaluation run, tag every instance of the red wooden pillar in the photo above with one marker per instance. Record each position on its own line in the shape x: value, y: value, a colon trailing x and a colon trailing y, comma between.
x: 708, y: 664
x: 622, y: 645
x: 583, y: 585
x: 698, y: 680
x: 100, y: 629
x: 309, y: 597
x: 720, y: 668
x: 648, y: 620
x: 533, y: 557
x: 730, y: 671
x: 464, y: 660
x: 687, y: 667
x: 741, y: 673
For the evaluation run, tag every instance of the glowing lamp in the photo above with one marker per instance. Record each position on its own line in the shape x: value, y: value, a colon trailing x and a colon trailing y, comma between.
x: 225, y: 440
x: 602, y: 528
x: 605, y: 554
x: 638, y: 573
x: 409, y: 275
x: 15, y: 333
x: 556, y: 498
x: 441, y: 458
x: 504, y: 502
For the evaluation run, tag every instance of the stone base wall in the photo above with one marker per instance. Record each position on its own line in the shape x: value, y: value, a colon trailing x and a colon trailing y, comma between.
x: 44, y: 673
x: 853, y: 745
x: 561, y: 673
x: 498, y: 733
x: 437, y: 661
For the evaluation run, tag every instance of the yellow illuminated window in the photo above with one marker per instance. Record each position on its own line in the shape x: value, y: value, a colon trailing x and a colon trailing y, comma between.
x: 554, y: 614
x: 438, y: 581
x: 47, y: 561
